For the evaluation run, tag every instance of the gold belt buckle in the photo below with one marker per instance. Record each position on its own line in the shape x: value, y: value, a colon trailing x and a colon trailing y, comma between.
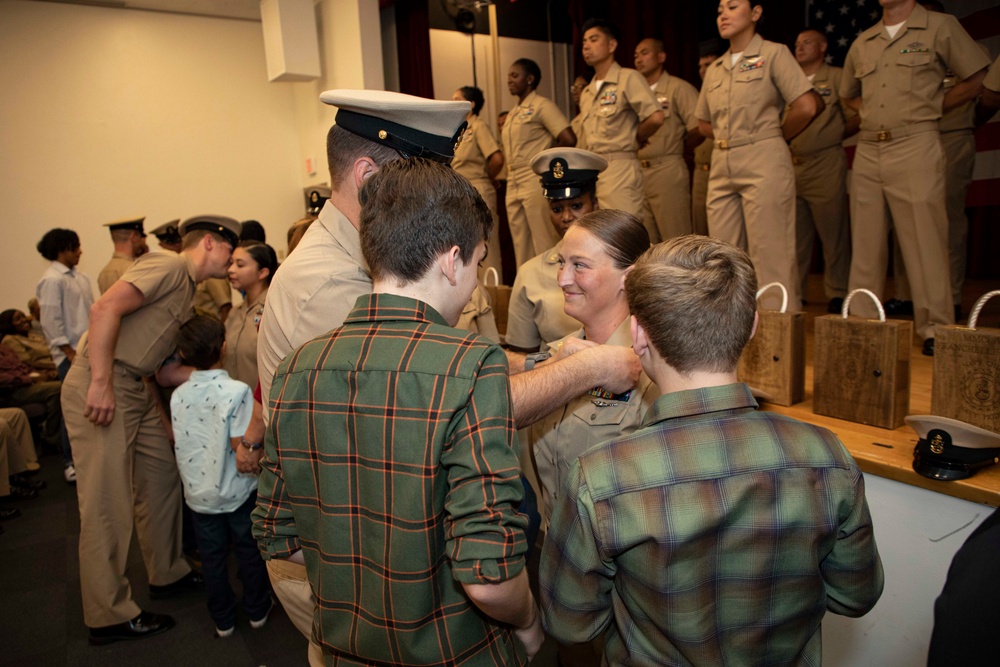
x: 704, y: 167
x: 796, y: 160
x: 884, y: 135
x: 646, y: 164
x: 722, y: 143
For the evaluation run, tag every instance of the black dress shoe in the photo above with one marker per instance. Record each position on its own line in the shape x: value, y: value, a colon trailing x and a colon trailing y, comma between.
x: 894, y: 307
x: 9, y: 513
x: 144, y: 625
x: 24, y: 483
x: 835, y: 305
x: 928, y: 347
x: 189, y: 583
x: 958, y: 313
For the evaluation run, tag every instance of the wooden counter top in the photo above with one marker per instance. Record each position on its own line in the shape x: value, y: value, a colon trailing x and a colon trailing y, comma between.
x: 889, y: 454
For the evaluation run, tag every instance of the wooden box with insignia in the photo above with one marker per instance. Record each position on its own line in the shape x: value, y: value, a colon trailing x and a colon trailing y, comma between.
x: 967, y: 372
x: 774, y: 361
x: 861, y: 370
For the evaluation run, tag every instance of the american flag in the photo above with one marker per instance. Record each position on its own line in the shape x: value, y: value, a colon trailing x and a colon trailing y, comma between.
x: 843, y: 20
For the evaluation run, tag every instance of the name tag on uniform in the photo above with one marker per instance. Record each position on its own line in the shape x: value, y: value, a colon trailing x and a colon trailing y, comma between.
x: 609, y: 96
x: 750, y: 64
x: 664, y: 102
x: 915, y: 47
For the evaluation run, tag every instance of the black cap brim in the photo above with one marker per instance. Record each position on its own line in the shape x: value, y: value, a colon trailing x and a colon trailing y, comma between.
x: 408, y: 141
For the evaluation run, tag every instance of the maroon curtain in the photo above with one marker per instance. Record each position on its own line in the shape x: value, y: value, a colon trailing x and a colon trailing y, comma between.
x: 413, y: 44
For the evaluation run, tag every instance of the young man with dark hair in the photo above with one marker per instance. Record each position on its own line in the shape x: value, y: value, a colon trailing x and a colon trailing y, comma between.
x: 717, y: 530
x: 126, y: 472
x: 389, y: 461
x: 65, y: 296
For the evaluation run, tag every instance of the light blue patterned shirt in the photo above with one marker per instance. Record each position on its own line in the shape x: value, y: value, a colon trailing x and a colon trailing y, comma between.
x: 208, y: 410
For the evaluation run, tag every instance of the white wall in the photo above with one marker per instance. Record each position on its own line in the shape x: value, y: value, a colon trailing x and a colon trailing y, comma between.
x: 917, y: 532
x: 451, y: 60
x: 109, y: 113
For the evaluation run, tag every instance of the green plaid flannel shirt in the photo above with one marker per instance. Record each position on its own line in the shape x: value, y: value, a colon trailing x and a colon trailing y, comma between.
x: 389, y: 460
x: 714, y: 535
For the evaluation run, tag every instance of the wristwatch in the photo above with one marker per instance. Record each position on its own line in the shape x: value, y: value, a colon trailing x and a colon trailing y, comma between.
x: 252, y: 446
x: 534, y: 358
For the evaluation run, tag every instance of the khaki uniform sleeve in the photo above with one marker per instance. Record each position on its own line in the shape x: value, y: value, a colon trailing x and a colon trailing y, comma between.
x: 638, y: 94
x: 701, y: 110
x: 484, y: 139
x: 685, y: 102
x: 788, y: 77
x: 551, y: 117
x: 960, y: 52
x: 992, y: 80
x: 156, y: 275
x: 850, y: 85
x: 219, y: 290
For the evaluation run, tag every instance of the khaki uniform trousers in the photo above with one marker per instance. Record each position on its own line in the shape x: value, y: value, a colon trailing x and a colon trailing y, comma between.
x: 821, y: 208
x: 528, y: 215
x: 493, y: 258
x: 751, y: 204
x: 699, y: 197
x: 620, y: 187
x: 126, y: 475
x: 960, y: 161
x: 17, y: 449
x: 907, y: 175
x: 290, y: 583
x: 665, y: 184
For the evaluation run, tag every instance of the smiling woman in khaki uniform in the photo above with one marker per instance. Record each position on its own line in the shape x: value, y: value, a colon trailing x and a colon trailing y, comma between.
x: 751, y: 190
x: 595, y: 255
x: 533, y: 125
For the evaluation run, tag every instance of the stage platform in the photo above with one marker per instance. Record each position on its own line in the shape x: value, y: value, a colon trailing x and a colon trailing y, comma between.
x: 889, y: 453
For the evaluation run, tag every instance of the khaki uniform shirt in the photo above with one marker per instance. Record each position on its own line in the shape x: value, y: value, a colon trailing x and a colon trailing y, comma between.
x: 745, y: 101
x: 312, y: 292
x: 112, y: 271
x: 536, y: 314
x: 959, y: 119
x: 901, y: 80
x: 211, y: 295
x: 992, y: 80
x: 827, y: 129
x: 149, y: 335
x: 473, y: 152
x: 611, y: 114
x: 532, y: 126
x: 678, y: 99
x: 241, y: 340
x: 595, y: 417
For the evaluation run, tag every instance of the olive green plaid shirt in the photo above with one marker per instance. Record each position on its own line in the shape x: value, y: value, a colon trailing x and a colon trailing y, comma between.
x: 715, y: 535
x: 389, y: 460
